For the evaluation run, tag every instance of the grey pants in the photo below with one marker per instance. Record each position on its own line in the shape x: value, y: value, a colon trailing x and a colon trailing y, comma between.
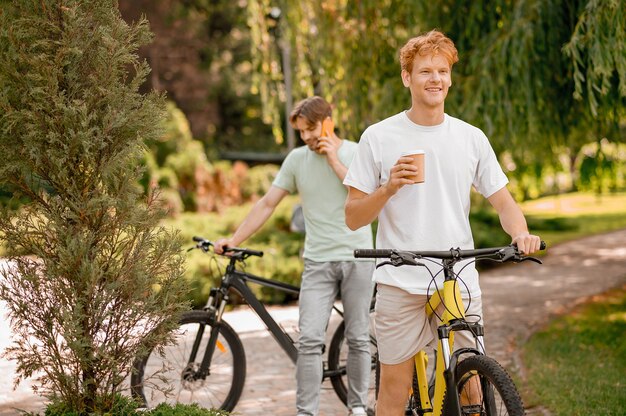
x: 321, y: 283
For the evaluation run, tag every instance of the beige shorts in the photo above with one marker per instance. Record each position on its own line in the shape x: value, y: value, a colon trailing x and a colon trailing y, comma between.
x: 403, y: 329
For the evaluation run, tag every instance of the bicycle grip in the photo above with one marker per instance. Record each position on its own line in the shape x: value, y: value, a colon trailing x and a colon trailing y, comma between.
x: 197, y: 239
x: 375, y: 253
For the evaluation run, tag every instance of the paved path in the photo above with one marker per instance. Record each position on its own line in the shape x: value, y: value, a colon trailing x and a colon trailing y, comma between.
x: 530, y: 294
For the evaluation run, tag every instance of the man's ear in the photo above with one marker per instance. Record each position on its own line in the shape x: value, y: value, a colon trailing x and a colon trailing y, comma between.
x: 406, y: 78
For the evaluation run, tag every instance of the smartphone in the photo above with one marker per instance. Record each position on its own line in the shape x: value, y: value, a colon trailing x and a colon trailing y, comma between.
x: 327, y: 127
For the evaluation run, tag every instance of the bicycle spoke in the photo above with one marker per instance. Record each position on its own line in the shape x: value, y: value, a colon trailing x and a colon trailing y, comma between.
x: 173, y: 366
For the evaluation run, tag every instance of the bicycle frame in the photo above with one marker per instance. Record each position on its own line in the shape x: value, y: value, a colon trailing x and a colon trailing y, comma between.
x: 453, y: 319
x: 237, y: 280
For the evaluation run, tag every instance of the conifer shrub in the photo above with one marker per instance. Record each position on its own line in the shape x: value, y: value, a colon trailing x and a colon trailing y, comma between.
x: 93, y: 279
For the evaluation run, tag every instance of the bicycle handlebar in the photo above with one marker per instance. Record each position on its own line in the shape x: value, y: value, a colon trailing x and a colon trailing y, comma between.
x: 237, y: 252
x: 505, y: 253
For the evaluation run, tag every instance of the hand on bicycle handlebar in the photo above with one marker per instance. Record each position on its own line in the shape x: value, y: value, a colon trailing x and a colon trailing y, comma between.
x: 221, y: 245
x: 527, y: 243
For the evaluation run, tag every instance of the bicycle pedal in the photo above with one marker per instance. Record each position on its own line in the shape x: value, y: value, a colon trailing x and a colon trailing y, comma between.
x: 471, y: 410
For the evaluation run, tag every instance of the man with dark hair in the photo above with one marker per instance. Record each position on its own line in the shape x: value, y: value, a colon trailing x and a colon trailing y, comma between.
x: 316, y: 172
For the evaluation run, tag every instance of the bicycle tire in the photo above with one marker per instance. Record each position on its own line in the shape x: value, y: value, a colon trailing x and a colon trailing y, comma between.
x: 157, y: 376
x: 498, y: 394
x: 337, y: 358
x: 414, y: 405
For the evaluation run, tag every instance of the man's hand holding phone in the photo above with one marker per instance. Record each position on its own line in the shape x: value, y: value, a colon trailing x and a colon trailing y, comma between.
x: 326, y: 145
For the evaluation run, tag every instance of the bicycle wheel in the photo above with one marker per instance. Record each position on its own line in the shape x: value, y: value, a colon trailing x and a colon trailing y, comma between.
x: 169, y: 377
x: 337, y: 360
x: 414, y: 405
x: 485, y: 388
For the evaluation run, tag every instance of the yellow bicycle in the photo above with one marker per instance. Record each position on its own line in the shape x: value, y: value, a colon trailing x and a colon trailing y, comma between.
x: 480, y: 385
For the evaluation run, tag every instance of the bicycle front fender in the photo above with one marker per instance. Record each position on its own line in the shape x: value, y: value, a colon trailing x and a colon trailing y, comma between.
x: 454, y: 359
x: 453, y: 407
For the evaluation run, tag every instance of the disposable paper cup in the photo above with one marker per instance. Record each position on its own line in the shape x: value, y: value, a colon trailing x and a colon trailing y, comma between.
x: 418, y: 161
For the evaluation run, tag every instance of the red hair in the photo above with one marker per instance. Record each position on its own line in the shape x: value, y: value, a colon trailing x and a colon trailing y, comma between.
x: 431, y: 43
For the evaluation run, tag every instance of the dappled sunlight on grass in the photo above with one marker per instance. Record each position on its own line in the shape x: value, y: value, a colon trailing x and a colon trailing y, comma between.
x: 569, y: 216
x: 616, y: 317
x: 575, y: 204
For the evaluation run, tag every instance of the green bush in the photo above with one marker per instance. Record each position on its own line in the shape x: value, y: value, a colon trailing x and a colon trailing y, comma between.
x: 602, y: 167
x: 183, y: 410
x: 488, y: 232
x: 258, y: 180
x: 189, y: 163
x: 122, y: 406
x: 126, y: 406
x: 551, y: 224
x: 176, y: 135
x: 282, y: 250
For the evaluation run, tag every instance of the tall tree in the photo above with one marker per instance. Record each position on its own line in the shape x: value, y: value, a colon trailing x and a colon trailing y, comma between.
x: 201, y: 56
x: 536, y: 75
x: 93, y: 279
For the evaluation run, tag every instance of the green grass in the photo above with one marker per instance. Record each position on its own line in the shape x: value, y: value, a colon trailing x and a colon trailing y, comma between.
x: 577, y: 365
x: 555, y: 219
x: 575, y: 215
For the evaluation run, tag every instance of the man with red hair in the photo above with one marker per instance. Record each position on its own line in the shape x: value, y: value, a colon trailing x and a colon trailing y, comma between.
x: 433, y: 215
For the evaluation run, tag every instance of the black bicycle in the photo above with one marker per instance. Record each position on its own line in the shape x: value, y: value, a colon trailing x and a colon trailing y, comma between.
x: 207, y: 362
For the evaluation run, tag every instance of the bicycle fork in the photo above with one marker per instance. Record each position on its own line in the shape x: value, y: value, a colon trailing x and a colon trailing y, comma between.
x: 451, y: 321
x: 203, y: 371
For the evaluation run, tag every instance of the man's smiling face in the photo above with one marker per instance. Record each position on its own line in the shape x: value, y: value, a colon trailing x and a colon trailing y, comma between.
x: 310, y: 133
x: 429, y: 80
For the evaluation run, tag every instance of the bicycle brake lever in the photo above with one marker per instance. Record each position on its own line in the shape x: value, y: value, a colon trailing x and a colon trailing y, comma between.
x: 395, y: 263
x: 202, y: 246
x: 408, y: 259
x: 534, y: 259
x: 400, y: 259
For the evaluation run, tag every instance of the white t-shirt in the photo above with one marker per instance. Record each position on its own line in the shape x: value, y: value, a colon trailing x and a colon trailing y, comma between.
x: 433, y: 215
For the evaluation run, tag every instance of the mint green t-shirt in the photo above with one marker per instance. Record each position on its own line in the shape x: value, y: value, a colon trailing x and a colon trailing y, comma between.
x: 323, y: 198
